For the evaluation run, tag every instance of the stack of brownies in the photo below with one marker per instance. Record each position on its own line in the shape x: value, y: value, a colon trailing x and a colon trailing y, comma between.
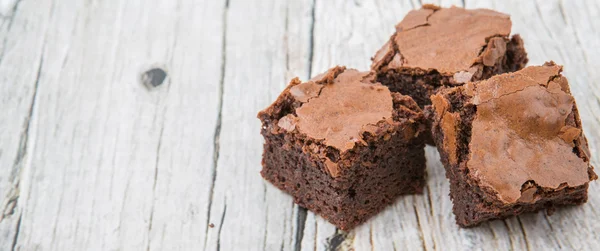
x: 346, y: 144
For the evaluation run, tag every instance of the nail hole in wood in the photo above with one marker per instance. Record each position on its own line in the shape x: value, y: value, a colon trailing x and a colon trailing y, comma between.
x: 154, y: 77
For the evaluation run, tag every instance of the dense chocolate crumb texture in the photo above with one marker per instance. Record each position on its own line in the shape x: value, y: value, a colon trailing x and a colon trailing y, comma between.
x: 525, y: 138
x: 454, y: 42
x: 336, y: 108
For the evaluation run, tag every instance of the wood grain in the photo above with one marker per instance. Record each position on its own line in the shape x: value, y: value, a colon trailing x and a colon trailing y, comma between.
x: 23, y: 31
x: 92, y: 159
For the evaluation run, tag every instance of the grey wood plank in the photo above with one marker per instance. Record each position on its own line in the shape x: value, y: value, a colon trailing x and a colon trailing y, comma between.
x: 266, y: 43
x: 106, y: 147
x: 23, y: 27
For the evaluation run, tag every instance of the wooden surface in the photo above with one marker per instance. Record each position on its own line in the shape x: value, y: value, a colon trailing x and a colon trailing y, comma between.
x: 91, y: 159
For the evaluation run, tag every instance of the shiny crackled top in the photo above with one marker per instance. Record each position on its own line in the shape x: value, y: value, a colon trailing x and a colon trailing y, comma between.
x: 520, y: 134
x: 339, y: 110
x: 449, y: 40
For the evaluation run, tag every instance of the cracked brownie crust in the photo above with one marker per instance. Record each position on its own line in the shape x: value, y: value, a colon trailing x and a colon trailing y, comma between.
x: 343, y: 145
x: 443, y: 47
x: 511, y: 144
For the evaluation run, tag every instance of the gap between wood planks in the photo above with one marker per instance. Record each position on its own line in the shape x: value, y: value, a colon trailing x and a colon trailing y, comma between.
x: 217, y: 133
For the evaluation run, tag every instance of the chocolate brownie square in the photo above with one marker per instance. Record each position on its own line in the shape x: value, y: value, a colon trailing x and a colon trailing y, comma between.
x: 435, y: 47
x: 511, y: 144
x: 343, y: 145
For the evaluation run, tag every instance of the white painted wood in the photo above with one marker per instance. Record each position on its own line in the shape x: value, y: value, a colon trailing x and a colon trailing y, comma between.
x: 22, y: 33
x: 102, y: 133
x: 95, y: 154
x: 93, y: 160
x: 189, y: 113
x: 264, y: 46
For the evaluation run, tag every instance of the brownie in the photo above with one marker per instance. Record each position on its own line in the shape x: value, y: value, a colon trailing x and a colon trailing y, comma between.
x: 435, y: 47
x: 511, y: 144
x: 343, y: 145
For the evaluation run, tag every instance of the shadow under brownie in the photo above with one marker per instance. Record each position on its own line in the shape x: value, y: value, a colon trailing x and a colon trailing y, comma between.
x: 437, y: 47
x: 343, y: 146
x: 511, y: 144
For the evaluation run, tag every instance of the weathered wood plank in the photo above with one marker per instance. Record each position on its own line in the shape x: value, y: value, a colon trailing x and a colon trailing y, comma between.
x: 92, y: 159
x: 22, y: 33
x: 100, y: 134
x: 96, y: 150
x: 266, y: 43
x: 190, y: 115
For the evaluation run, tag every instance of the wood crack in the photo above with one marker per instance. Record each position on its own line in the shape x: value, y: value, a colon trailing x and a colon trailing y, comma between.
x: 551, y: 229
x: 221, y: 226
x: 429, y: 200
x: 285, y: 220
x: 548, y: 221
x: 421, y: 234
x: 162, y: 128
x: 217, y: 132
x: 524, y: 233
x: 562, y: 12
x: 371, y: 238
x: 316, y: 234
x: 24, y: 139
x: 300, y: 225
x: 16, y: 238
x: 334, y: 242
x: 9, y: 206
x: 510, y: 234
x: 311, y: 45
x: 492, y: 230
x: 431, y: 212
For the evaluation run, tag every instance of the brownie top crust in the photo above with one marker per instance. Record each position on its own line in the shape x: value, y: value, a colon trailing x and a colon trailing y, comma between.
x: 338, y: 111
x: 449, y: 40
x: 339, y: 115
x: 525, y: 135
